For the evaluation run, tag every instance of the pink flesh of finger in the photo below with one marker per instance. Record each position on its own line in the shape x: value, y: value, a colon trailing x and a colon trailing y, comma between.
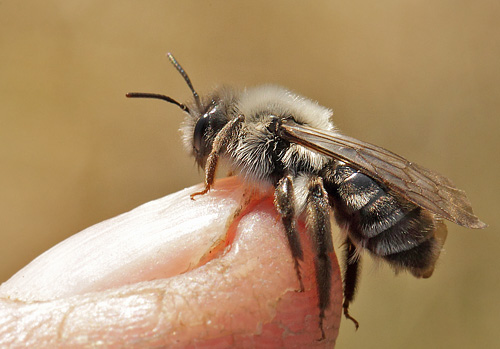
x: 245, y: 297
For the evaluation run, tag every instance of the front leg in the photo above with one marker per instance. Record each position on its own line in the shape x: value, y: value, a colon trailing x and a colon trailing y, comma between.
x: 228, y: 132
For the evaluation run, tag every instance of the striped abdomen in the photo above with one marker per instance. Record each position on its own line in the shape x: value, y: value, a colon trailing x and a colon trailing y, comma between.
x: 387, y: 225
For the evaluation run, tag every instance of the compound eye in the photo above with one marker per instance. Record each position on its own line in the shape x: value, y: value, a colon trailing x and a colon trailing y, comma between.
x: 199, y: 132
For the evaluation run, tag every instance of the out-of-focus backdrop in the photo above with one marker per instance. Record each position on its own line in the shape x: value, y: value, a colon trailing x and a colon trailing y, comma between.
x: 420, y: 78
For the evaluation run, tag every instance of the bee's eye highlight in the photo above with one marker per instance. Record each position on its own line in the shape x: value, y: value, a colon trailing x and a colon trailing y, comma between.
x: 199, y: 132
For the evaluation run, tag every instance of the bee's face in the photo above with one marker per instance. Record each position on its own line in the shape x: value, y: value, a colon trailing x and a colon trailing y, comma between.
x: 203, y: 123
x: 204, y: 132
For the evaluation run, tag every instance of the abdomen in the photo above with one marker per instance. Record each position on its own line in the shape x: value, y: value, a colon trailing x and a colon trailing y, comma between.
x: 387, y: 225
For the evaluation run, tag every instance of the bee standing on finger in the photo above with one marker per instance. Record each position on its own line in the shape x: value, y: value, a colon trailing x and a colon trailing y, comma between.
x: 383, y: 203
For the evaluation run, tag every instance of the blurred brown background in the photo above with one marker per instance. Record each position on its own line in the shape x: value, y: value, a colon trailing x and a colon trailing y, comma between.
x: 419, y: 78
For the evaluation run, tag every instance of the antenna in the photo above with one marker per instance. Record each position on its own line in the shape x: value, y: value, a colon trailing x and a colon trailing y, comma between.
x: 157, y: 96
x: 186, y: 78
x: 167, y: 98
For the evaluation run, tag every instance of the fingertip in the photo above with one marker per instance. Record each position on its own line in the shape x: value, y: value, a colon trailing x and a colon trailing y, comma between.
x: 246, y: 296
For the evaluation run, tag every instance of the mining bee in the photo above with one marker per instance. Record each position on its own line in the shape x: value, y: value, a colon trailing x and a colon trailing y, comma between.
x: 383, y: 203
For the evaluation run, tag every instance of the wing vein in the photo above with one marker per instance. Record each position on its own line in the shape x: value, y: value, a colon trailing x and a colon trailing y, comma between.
x: 417, y: 184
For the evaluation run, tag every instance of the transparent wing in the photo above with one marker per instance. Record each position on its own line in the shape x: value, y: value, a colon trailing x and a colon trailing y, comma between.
x: 419, y: 185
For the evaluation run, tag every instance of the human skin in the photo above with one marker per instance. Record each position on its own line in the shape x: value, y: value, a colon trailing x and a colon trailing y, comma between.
x: 174, y: 272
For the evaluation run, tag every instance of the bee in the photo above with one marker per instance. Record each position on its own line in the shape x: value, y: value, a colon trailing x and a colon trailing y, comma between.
x: 383, y: 203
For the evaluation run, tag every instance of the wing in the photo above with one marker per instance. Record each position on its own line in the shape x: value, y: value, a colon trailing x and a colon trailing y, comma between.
x: 419, y: 185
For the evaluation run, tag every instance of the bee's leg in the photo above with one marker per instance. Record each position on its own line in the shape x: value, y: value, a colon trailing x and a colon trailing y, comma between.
x: 227, y: 133
x: 351, y: 270
x: 318, y: 224
x: 284, y: 201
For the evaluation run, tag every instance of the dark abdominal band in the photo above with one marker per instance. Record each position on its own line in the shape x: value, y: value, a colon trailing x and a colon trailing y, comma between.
x: 388, y: 226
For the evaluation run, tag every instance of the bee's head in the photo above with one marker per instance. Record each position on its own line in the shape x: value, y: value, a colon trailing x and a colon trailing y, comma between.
x: 204, y: 117
x: 204, y: 121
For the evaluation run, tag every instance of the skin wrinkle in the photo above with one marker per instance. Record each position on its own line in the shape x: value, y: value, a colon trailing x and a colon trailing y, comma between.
x: 62, y: 324
x: 223, y: 267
